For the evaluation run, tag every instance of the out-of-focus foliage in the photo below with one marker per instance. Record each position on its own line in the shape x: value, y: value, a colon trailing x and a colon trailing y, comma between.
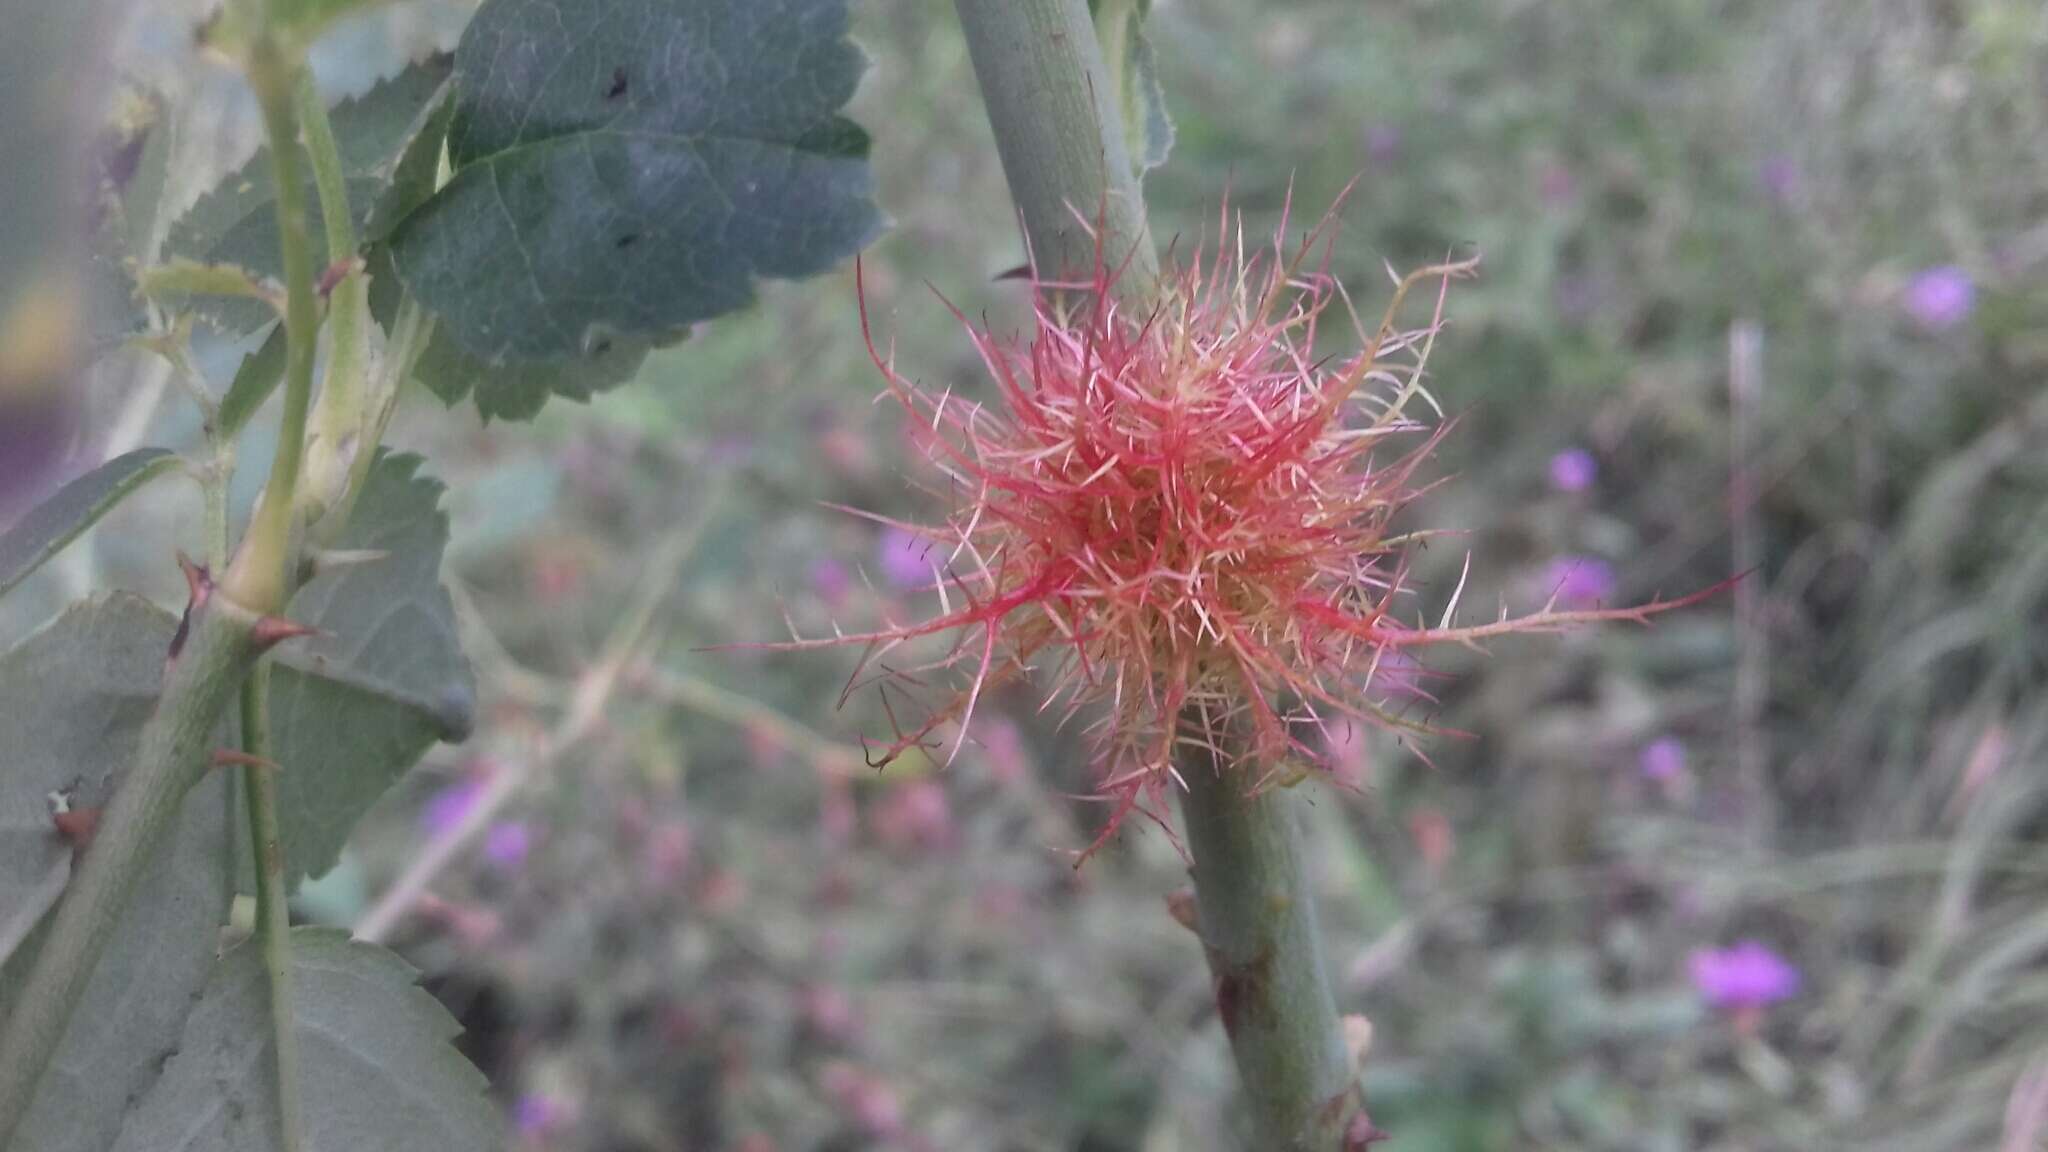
x: 1774, y: 270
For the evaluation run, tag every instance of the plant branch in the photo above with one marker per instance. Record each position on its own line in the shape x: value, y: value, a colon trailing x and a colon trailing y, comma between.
x: 262, y: 575
x: 273, y: 914
x: 1061, y: 135
x: 1258, y: 926
x: 583, y: 715
x: 258, y: 577
x: 1060, y: 130
x: 339, y: 432
x: 173, y: 755
x: 324, y: 156
x: 830, y: 757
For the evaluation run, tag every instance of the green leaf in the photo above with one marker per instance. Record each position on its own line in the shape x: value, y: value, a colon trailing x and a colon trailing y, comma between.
x: 72, y: 509
x: 178, y: 280
x: 254, y: 381
x: 353, y: 709
x: 133, y: 158
x: 236, y: 223
x: 1134, y: 71
x: 416, y: 174
x: 517, y: 389
x: 377, y: 1070
x: 623, y: 170
x: 131, y: 162
x: 73, y: 699
x: 514, y: 389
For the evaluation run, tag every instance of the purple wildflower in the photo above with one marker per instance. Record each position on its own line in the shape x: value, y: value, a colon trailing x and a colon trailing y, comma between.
x: 507, y: 843
x: 1383, y: 143
x: 1940, y: 298
x: 535, y: 1115
x: 1573, y: 470
x: 1780, y: 177
x: 1748, y: 975
x: 1398, y: 676
x: 1578, y: 298
x: 1579, y: 581
x: 35, y: 440
x: 733, y: 450
x: 448, y: 806
x: 831, y: 582
x: 1002, y: 743
x: 1556, y: 184
x: 906, y: 558
x: 1662, y: 760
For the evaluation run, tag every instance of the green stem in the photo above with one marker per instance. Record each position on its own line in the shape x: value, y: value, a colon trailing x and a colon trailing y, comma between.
x: 1058, y: 126
x: 1258, y: 926
x: 1061, y: 136
x: 324, y: 155
x: 337, y: 433
x: 258, y: 577
x: 173, y: 755
x: 263, y: 572
x: 273, y: 914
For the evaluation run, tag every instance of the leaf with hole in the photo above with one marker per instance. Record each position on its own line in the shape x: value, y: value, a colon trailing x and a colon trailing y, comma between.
x: 518, y: 389
x: 73, y: 699
x: 377, y: 1070
x: 75, y: 507
x: 625, y: 170
x: 514, y: 389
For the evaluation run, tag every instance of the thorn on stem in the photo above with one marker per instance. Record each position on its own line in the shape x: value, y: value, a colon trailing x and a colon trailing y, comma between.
x: 198, y: 581
x: 235, y: 757
x: 335, y: 273
x: 1180, y: 904
x: 1361, y: 1134
x: 1357, y: 1040
x: 270, y: 631
x: 77, y: 826
x: 198, y: 586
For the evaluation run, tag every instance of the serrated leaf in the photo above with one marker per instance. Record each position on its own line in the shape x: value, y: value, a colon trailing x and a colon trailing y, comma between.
x: 377, y: 1070
x: 72, y: 509
x: 178, y: 280
x: 131, y: 165
x: 133, y: 161
x: 515, y: 389
x: 354, y: 708
x: 417, y: 171
x: 518, y: 389
x: 1134, y: 70
x: 624, y: 170
x: 73, y: 699
x: 236, y: 223
x: 254, y: 381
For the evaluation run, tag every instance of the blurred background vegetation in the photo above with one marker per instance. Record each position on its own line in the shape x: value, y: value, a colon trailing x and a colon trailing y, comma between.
x: 1765, y: 288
